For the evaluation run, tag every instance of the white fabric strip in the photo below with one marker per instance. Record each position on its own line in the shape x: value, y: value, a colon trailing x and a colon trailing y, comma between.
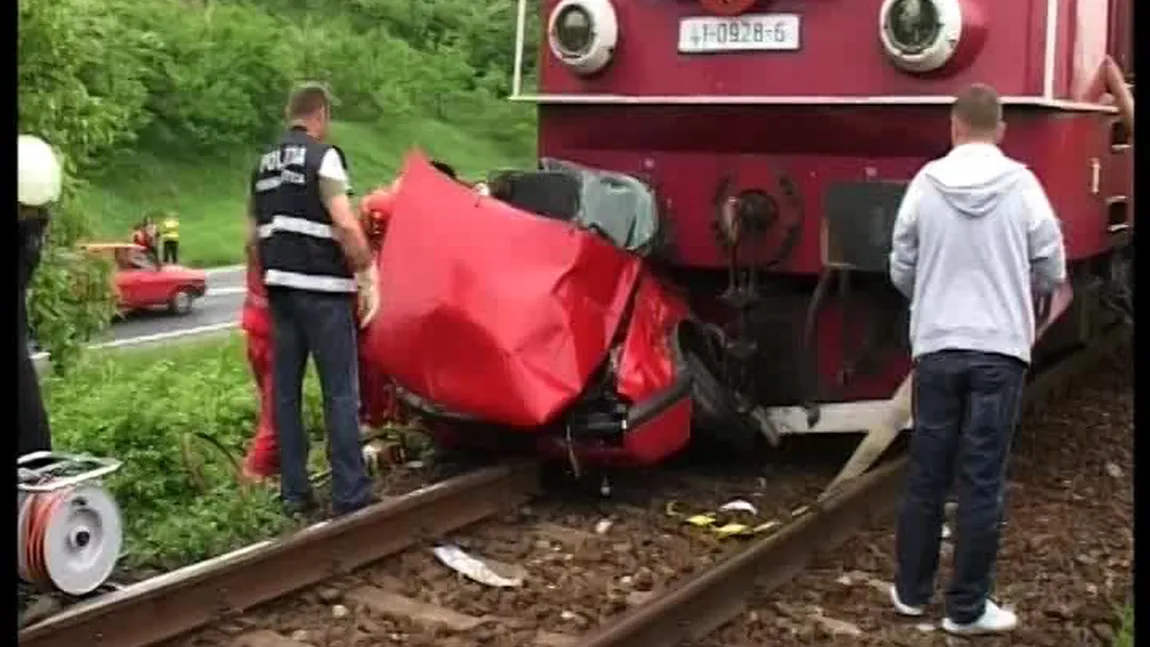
x: 296, y: 226
x: 310, y: 282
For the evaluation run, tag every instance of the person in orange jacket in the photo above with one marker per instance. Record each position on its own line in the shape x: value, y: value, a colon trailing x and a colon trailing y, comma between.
x: 262, y: 459
x: 376, y: 398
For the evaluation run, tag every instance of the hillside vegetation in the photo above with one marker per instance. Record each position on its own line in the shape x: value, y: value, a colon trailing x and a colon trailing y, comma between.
x: 209, y: 194
x: 161, y: 104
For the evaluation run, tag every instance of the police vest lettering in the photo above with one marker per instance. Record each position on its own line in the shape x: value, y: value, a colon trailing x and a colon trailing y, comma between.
x: 297, y: 245
x: 279, y: 160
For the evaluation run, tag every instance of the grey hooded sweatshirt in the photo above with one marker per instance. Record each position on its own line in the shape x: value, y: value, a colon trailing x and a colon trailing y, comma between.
x: 975, y: 237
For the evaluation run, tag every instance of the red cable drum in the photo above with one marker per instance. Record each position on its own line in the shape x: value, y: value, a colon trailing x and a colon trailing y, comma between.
x: 68, y: 539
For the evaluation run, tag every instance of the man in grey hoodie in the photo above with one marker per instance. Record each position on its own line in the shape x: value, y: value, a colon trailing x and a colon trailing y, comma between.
x: 974, y: 240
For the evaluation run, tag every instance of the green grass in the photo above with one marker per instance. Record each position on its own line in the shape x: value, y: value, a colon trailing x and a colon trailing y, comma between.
x: 209, y: 194
x: 1125, y: 636
x: 140, y: 406
x: 226, y: 346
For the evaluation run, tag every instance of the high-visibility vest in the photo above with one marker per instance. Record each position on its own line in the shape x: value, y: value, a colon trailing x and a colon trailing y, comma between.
x: 170, y: 229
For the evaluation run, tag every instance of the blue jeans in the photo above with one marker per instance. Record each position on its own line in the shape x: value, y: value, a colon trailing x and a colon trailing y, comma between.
x: 323, y: 325
x: 966, y: 408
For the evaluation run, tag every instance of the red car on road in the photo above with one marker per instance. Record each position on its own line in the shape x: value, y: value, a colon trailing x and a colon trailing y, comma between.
x: 141, y: 284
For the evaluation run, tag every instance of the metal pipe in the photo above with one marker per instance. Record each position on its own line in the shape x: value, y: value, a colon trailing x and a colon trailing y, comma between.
x: 1051, y: 49
x: 812, y: 385
x: 520, y: 29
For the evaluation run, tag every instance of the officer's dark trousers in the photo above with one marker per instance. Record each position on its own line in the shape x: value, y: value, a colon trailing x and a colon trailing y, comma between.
x: 171, y: 251
x: 966, y: 408
x: 321, y: 325
x: 32, y: 432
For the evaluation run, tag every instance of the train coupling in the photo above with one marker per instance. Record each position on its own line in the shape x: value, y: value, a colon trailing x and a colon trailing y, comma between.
x: 768, y: 428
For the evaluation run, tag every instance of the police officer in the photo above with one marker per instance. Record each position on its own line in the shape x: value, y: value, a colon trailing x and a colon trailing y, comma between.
x: 315, y: 259
x: 37, y: 187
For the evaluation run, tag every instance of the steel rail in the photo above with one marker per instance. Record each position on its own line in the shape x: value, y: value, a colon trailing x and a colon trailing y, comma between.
x: 194, y: 596
x: 698, y: 606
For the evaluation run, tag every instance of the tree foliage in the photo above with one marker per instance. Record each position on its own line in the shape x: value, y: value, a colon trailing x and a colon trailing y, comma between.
x: 86, y: 101
x: 102, y: 78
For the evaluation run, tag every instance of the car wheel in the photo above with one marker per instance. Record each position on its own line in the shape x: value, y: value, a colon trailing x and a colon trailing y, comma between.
x: 181, y: 303
x: 716, y: 411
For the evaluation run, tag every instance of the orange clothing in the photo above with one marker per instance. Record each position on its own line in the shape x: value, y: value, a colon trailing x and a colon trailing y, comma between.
x: 262, y: 458
x: 375, y: 211
x: 379, y: 201
x: 255, y: 317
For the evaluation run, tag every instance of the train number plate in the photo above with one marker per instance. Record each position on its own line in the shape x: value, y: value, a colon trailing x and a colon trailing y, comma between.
x: 747, y: 33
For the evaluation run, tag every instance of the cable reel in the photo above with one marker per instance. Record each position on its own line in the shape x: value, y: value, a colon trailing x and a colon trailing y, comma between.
x: 69, y: 529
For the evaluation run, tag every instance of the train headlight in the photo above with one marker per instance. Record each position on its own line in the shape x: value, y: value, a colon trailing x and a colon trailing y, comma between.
x: 573, y: 32
x: 583, y: 33
x: 921, y: 35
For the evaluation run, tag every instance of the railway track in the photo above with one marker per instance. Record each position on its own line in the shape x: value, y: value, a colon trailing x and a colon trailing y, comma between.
x: 678, y: 607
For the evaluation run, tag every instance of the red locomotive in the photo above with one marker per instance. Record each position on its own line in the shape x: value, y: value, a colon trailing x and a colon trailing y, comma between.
x: 714, y: 203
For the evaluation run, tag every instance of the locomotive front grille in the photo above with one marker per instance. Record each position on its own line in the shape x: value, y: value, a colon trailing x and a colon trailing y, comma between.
x: 858, y: 223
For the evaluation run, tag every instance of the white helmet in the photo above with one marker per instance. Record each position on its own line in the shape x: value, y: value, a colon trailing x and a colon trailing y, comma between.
x: 38, y: 172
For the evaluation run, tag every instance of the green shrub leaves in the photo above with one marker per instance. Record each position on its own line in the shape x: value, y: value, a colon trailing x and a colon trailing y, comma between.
x: 139, y: 407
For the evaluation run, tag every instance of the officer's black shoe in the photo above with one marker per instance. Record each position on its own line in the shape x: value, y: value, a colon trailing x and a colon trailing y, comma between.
x: 339, y: 510
x: 305, y: 509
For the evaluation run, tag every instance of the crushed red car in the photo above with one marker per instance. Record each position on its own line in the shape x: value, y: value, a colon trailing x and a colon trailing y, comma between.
x: 531, y: 317
x: 140, y: 283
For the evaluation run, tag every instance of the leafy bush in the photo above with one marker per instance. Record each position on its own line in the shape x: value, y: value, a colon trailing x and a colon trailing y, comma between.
x: 70, y: 300
x: 80, y: 79
x: 83, y: 93
x: 218, y: 75
x: 141, y: 407
x: 98, y: 75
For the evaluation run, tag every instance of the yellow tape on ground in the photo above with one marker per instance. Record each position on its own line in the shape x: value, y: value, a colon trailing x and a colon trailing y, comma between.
x: 701, y: 520
x: 722, y: 526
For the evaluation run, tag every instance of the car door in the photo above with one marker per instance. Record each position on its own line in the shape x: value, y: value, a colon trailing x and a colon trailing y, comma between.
x: 129, y: 288
x: 155, y: 284
x: 138, y: 280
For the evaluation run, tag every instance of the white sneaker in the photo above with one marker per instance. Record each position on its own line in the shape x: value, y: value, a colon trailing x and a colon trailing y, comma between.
x: 994, y: 620
x: 904, y: 609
